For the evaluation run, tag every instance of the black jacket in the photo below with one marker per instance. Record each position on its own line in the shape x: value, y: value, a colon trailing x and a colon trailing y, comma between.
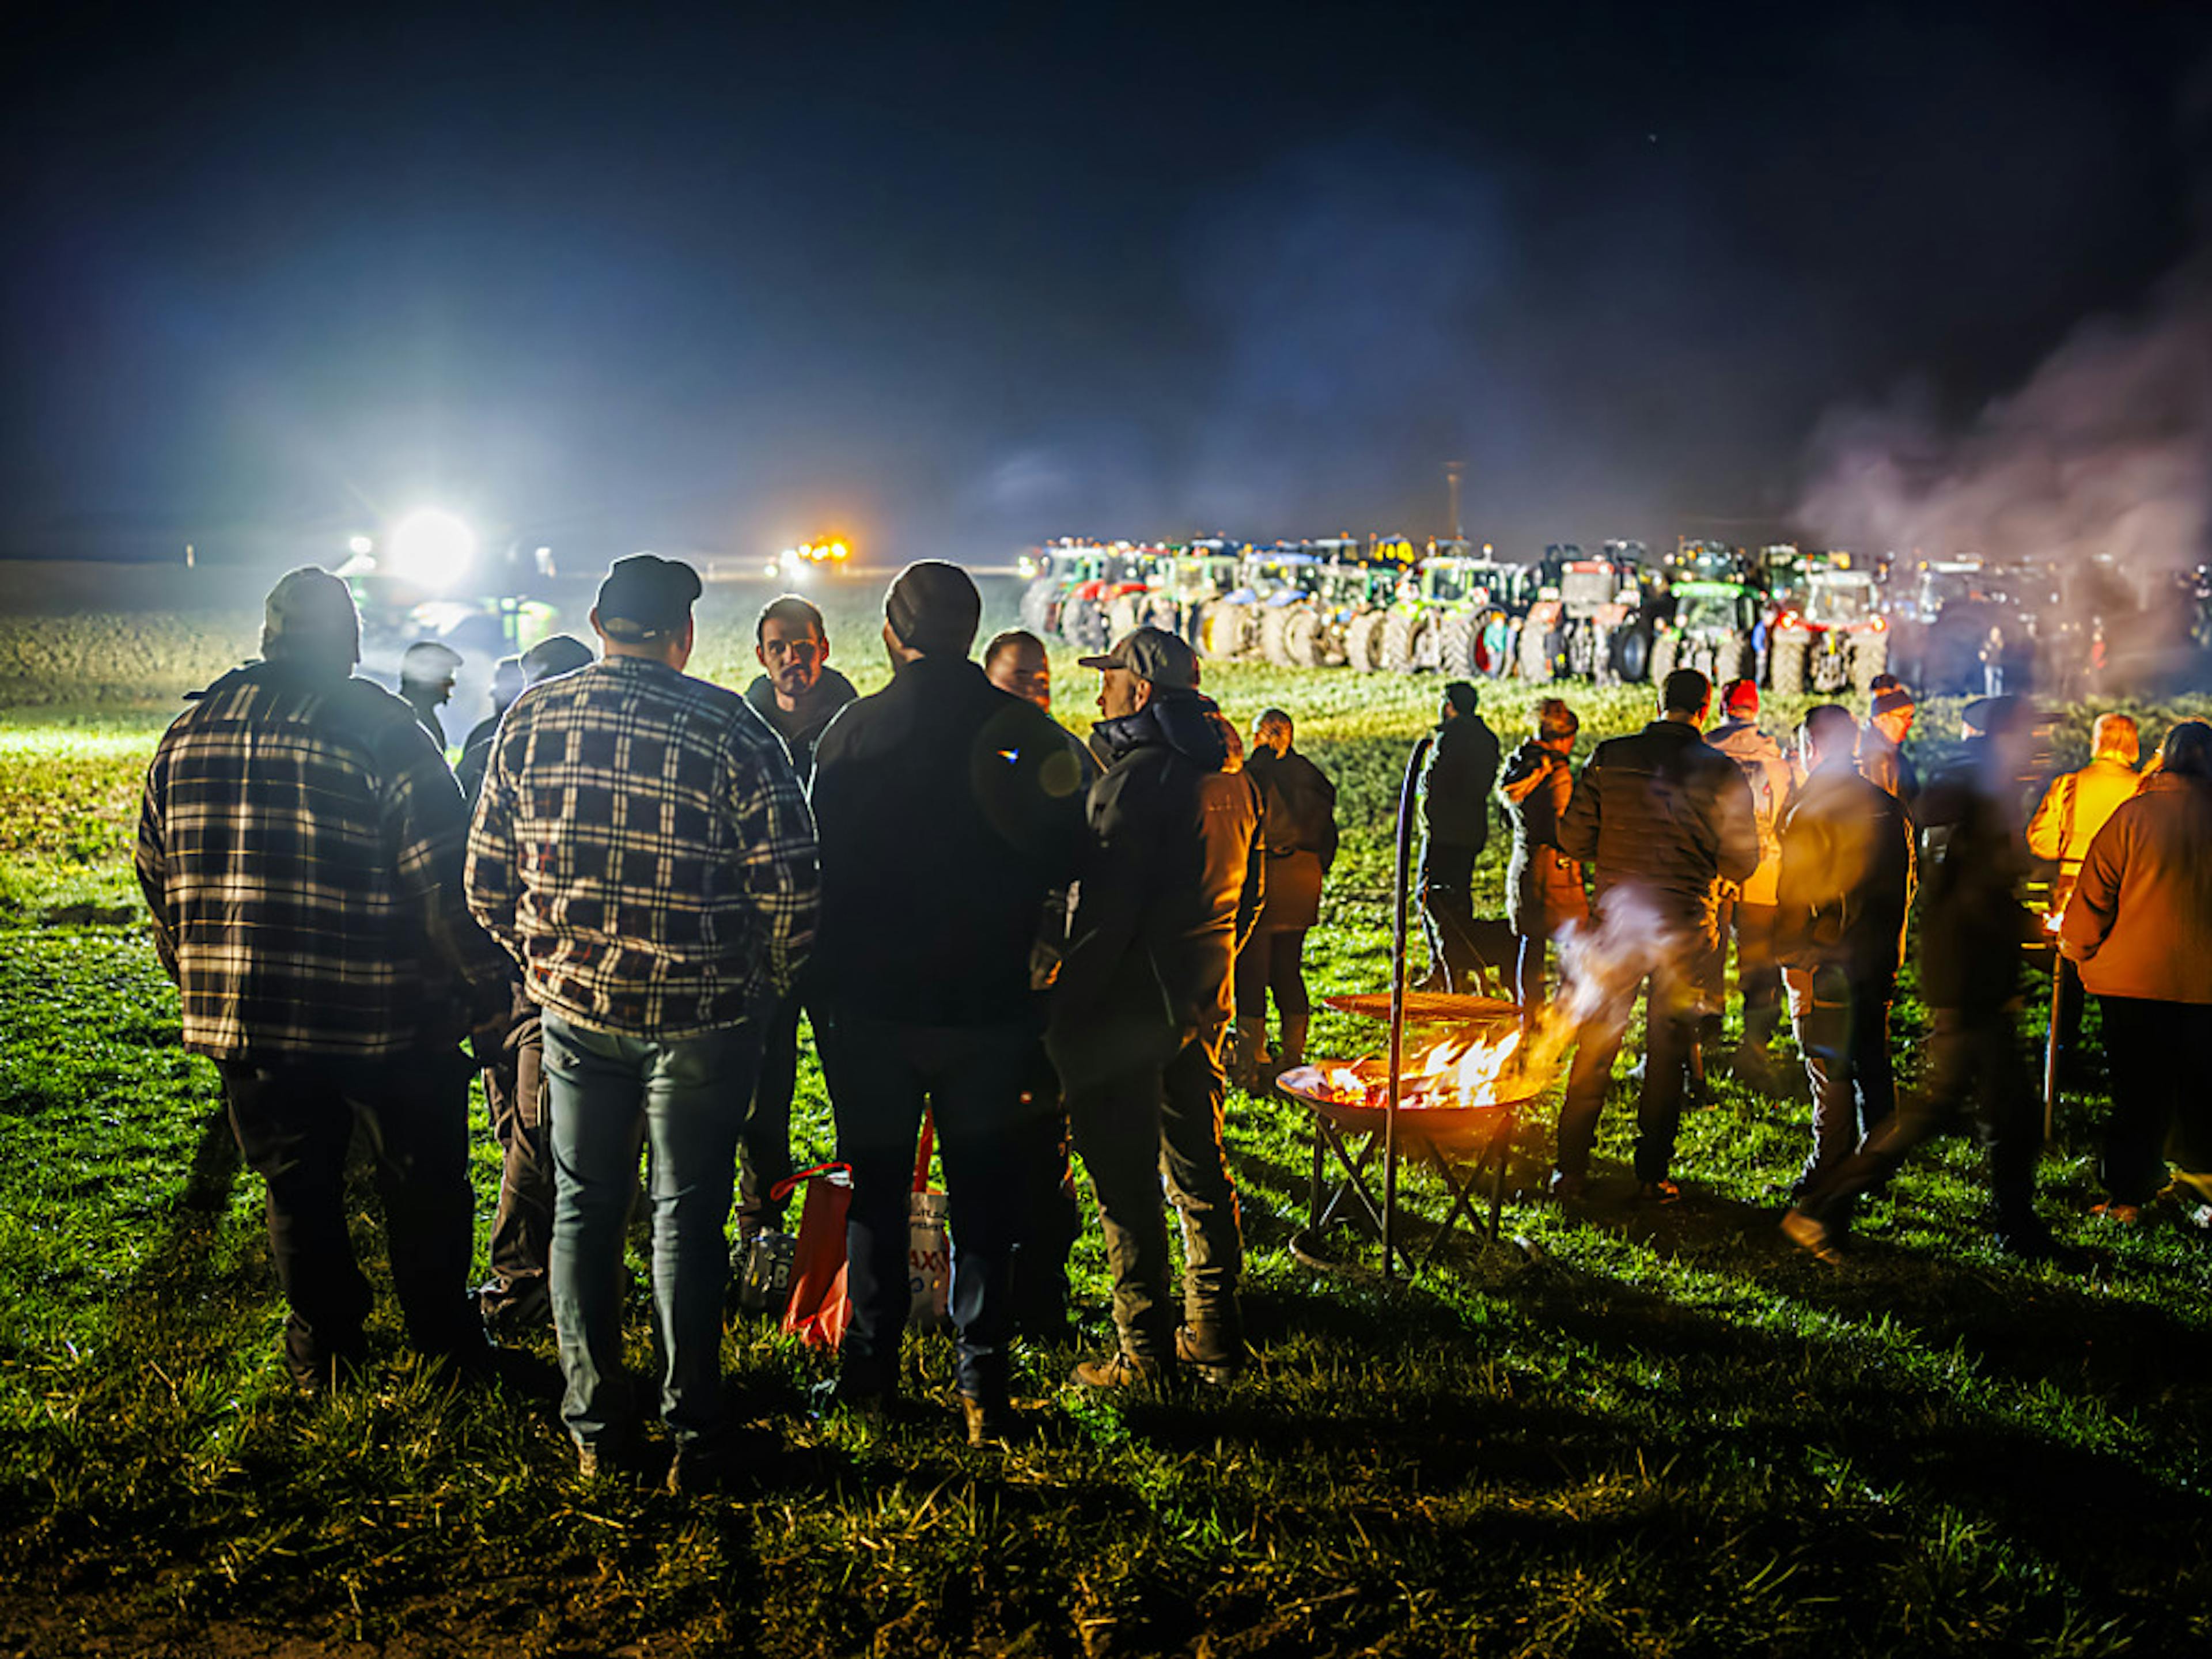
x: 1839, y: 904
x: 1662, y: 811
x: 946, y: 809
x: 1174, y: 878
x: 802, y: 728
x: 1456, y: 788
x: 1973, y: 923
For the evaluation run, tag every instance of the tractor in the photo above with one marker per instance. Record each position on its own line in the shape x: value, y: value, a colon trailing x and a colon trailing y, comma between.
x: 1834, y: 636
x: 1710, y: 630
x: 1457, y: 614
x: 1181, y: 582
x: 1593, y: 619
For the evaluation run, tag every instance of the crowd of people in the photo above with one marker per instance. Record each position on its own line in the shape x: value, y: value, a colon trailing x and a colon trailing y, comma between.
x: 1677, y: 843
x: 636, y: 884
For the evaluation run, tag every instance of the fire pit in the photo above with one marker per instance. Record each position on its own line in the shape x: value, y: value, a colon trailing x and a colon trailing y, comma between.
x: 1458, y: 1101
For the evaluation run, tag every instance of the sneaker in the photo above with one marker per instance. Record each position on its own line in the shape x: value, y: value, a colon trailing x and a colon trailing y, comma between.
x: 1120, y: 1371
x: 834, y: 1395
x: 1219, y: 1372
x: 1815, y: 1237
x: 1658, y: 1191
x: 1567, y: 1187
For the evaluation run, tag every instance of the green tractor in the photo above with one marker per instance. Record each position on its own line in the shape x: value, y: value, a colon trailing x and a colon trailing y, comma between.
x: 1711, y: 631
x: 1180, y: 581
x: 1458, y: 615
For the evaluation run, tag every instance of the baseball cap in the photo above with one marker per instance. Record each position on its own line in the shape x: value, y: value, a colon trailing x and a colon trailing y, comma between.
x: 1890, y: 696
x: 1741, y: 697
x: 1154, y: 656
x: 428, y: 662
x: 647, y: 598
x: 311, y: 605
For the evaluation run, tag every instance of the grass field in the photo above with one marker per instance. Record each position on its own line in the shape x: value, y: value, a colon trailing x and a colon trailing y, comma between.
x: 1654, y: 1432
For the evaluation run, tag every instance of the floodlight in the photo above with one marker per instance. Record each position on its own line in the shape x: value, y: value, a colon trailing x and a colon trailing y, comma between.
x: 431, y: 547
x: 359, y: 544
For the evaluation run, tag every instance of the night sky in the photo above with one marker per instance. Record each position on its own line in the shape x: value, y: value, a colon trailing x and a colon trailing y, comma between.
x: 951, y: 280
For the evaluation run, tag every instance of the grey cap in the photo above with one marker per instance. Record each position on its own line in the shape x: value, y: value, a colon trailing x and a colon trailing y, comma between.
x: 427, y: 662
x: 1152, y: 654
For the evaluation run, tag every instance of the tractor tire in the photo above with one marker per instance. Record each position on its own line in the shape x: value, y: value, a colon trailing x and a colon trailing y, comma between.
x: 1457, y: 638
x: 1731, y: 660
x: 1274, y: 636
x: 1869, y: 659
x: 1785, y: 668
x: 1215, y: 628
x: 1037, y: 604
x: 1662, y: 657
x: 1123, y: 615
x: 1229, y: 635
x: 1631, y: 651
x: 1402, y: 636
x: 1302, y: 636
x: 1080, y: 625
x: 1362, y: 641
x: 1535, y: 654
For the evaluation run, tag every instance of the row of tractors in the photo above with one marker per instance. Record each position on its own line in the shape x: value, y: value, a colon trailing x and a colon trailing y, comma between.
x: 1795, y: 621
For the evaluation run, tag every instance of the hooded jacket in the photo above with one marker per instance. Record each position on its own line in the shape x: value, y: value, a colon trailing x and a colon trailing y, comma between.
x: 1769, y: 775
x: 1173, y: 880
x: 1661, y: 812
x: 2140, y: 920
x: 802, y: 728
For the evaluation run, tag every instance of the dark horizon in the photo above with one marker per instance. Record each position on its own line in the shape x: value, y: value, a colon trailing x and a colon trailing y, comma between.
x: 950, y: 284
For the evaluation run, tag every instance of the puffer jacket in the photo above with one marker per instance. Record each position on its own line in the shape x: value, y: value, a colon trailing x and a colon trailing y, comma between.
x: 1543, y: 886
x: 1768, y: 774
x: 1841, y: 892
x: 2140, y: 920
x: 1662, y: 812
x: 1173, y: 880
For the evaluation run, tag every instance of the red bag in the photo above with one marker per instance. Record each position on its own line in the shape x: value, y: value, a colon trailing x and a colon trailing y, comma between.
x: 818, y: 1311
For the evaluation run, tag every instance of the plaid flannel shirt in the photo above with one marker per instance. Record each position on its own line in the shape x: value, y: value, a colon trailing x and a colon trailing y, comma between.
x: 643, y: 848
x: 300, y: 846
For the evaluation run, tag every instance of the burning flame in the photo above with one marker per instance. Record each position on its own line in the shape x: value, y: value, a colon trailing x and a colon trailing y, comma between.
x: 1459, y: 1071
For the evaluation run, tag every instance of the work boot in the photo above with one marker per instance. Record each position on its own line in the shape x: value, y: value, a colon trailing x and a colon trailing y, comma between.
x: 1121, y: 1371
x: 1290, y: 1052
x: 1215, y: 1355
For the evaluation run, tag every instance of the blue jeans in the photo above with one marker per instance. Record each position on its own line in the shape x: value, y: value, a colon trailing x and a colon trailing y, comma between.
x: 609, y: 1094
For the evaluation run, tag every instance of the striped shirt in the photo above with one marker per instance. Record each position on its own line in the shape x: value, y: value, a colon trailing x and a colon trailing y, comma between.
x: 643, y: 848
x: 300, y: 846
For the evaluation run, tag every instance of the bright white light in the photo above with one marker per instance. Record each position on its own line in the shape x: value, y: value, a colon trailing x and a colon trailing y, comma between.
x: 359, y: 544
x: 431, y: 547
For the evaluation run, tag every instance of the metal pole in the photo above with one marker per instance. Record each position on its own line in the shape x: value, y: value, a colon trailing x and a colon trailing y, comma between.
x: 2051, y: 1047
x: 1405, y: 799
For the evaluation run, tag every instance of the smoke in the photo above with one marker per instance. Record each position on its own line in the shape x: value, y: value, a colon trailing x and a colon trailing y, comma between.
x: 2103, y: 451
x: 1601, y: 966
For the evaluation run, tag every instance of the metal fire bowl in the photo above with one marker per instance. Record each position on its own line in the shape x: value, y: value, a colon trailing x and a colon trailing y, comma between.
x: 1450, y: 1129
x: 1430, y: 1008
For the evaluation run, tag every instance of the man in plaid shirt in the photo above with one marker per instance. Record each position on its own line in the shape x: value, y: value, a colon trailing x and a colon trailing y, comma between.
x: 300, y: 847
x: 644, y: 850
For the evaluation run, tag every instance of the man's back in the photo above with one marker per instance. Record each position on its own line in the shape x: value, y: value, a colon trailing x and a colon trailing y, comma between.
x: 946, y: 808
x: 301, y: 850
x: 1461, y: 772
x: 1662, y: 811
x: 1846, y: 858
x: 642, y: 845
x: 2077, y: 806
